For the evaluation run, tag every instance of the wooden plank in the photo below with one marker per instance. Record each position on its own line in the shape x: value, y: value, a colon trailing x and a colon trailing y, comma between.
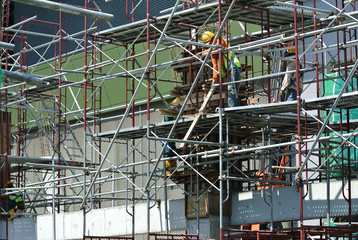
x: 201, y: 98
x: 252, y: 101
x: 198, y: 115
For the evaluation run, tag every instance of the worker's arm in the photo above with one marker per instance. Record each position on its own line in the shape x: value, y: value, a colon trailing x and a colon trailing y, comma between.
x: 216, y: 68
x: 203, y: 52
x: 208, y: 49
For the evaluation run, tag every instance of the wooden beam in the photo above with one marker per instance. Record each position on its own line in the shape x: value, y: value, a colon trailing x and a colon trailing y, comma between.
x: 198, y: 115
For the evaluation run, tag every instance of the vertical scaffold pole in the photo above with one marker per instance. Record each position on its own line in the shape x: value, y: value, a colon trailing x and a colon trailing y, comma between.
x: 349, y: 198
x: 148, y: 117
x: 302, y: 237
x: 133, y: 124
x: 3, y: 121
x: 59, y: 107
x: 220, y: 56
x: 317, y: 70
x: 220, y: 129
x: 270, y: 98
x: 221, y: 174
x: 85, y: 122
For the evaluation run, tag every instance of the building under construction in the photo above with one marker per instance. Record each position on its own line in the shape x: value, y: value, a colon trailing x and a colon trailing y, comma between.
x: 111, y: 126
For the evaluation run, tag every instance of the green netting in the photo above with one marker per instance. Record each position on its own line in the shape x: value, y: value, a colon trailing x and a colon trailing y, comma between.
x: 333, y: 87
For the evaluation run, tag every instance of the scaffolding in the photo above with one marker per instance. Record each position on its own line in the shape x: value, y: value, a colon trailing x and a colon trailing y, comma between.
x: 64, y: 154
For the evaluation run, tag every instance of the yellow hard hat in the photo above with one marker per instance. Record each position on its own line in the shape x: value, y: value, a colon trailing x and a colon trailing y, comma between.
x: 176, y: 100
x: 291, y: 51
x: 207, y: 36
x: 8, y: 183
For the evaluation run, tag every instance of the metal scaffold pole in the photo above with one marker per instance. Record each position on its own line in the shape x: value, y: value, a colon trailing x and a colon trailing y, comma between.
x: 52, y: 84
x: 148, y: 115
x: 86, y: 191
x: 68, y: 9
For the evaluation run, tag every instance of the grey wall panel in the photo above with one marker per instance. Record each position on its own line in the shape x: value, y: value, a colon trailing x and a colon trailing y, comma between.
x: 19, y: 228
x: 252, y: 207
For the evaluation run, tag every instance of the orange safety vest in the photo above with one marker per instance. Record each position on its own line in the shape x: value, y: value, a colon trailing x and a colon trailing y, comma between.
x: 226, y: 57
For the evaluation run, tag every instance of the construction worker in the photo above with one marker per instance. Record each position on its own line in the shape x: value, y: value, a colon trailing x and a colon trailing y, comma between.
x: 15, y: 202
x: 231, y: 67
x: 288, y: 91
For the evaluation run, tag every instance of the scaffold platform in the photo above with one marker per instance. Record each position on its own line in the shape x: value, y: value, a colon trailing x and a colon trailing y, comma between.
x: 250, y: 11
x: 282, y: 117
x: 85, y: 141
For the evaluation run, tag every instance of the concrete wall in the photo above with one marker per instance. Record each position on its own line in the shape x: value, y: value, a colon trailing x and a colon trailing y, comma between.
x: 247, y: 207
x: 111, y: 221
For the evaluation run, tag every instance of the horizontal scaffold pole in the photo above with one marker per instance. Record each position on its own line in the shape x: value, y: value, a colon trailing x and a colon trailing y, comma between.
x: 8, y: 46
x: 68, y: 9
x: 23, y: 77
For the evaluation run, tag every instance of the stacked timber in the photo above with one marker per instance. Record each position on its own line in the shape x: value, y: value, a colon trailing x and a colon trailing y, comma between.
x: 198, y: 96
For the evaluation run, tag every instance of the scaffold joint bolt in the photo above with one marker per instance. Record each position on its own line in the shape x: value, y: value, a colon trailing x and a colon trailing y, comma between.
x: 330, y: 14
x: 83, y: 206
x: 346, y: 145
x: 298, y: 178
x: 239, y: 49
x: 299, y: 139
